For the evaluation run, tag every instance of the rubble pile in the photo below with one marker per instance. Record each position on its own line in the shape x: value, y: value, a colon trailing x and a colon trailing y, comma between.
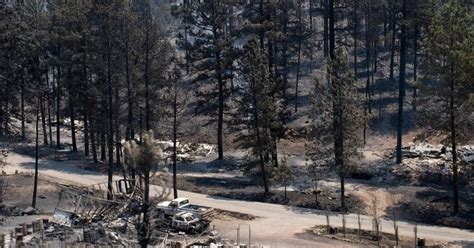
x: 426, y: 163
x: 7, y: 209
x: 425, y: 151
x: 95, y: 218
x: 52, y: 234
x: 187, y: 152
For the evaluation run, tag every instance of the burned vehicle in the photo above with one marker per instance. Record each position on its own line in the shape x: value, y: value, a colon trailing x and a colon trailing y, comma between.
x: 187, y: 222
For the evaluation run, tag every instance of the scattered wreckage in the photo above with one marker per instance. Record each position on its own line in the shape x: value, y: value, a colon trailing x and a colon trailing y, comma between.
x: 426, y: 163
x: 89, y: 209
x: 425, y: 150
x: 77, y: 206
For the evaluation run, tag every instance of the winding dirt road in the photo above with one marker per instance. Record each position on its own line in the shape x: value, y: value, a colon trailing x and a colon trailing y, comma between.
x: 277, y: 225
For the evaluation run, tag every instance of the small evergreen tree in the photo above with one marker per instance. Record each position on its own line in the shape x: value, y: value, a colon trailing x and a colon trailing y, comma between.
x: 145, y: 157
x: 258, y: 109
x: 283, y: 174
x: 340, y: 102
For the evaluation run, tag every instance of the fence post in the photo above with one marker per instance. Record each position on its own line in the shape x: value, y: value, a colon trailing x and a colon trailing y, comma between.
x: 238, y: 235
x: 344, y: 225
x: 250, y: 236
x: 416, y: 234
x: 328, y: 226
x: 360, y: 223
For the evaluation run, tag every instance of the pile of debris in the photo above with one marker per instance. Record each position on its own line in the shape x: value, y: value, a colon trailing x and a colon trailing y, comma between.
x: 427, y: 151
x: 426, y: 163
x: 112, y: 215
x: 187, y: 152
x: 7, y: 209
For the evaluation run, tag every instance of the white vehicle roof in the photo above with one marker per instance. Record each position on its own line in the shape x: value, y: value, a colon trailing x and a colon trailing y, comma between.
x: 180, y: 199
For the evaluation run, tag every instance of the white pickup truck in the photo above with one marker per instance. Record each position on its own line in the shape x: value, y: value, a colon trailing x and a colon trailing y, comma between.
x: 170, y: 208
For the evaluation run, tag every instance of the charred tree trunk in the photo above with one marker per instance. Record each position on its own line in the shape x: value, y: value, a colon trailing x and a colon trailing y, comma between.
x: 147, y: 64
x: 93, y: 136
x: 118, y: 138
x: 300, y: 38
x: 110, y: 136
x: 326, y: 28
x: 415, y: 60
x: 367, y: 62
x: 73, y: 125
x: 452, y: 128
x: 129, y: 132
x: 392, y: 49
x: 401, y: 86
x: 50, y: 128
x: 86, y: 134
x: 175, y: 130
x: 102, y: 145
x: 35, y: 184
x: 220, y: 82
x: 58, y: 108
x: 354, y: 36
x: 261, y: 32
x: 43, y: 121
x: 22, y: 106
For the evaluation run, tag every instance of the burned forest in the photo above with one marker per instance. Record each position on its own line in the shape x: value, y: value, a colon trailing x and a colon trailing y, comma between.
x: 218, y: 123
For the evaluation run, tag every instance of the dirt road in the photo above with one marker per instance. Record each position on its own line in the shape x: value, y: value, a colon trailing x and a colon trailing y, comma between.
x: 277, y: 225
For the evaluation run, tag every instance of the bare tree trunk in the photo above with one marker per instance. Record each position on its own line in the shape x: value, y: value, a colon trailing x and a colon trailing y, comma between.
x: 129, y: 132
x: 110, y: 137
x: 452, y: 127
x: 367, y: 62
x: 102, y: 145
x: 415, y: 59
x: 261, y: 31
x: 300, y: 38
x: 58, y: 108
x: 220, y: 117
x: 401, y: 95
x: 118, y: 134
x: 43, y: 120
x: 392, y: 49
x: 175, y: 127
x: 144, y: 232
x: 374, y: 64
x: 325, y: 30
x: 73, y: 125
x: 35, y: 184
x: 310, y: 15
x: 93, y: 135
x: 86, y: 133
x: 147, y: 62
x: 354, y: 36
x: 22, y: 106
x: 49, y: 102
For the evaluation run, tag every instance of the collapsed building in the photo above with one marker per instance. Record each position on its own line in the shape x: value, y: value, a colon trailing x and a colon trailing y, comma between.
x: 107, y: 217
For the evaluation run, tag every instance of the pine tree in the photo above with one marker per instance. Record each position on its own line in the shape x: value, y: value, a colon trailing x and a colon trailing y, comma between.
x: 340, y: 102
x: 402, y: 83
x: 259, y: 110
x: 210, y: 57
x: 447, y: 95
x: 145, y: 158
x: 283, y: 174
